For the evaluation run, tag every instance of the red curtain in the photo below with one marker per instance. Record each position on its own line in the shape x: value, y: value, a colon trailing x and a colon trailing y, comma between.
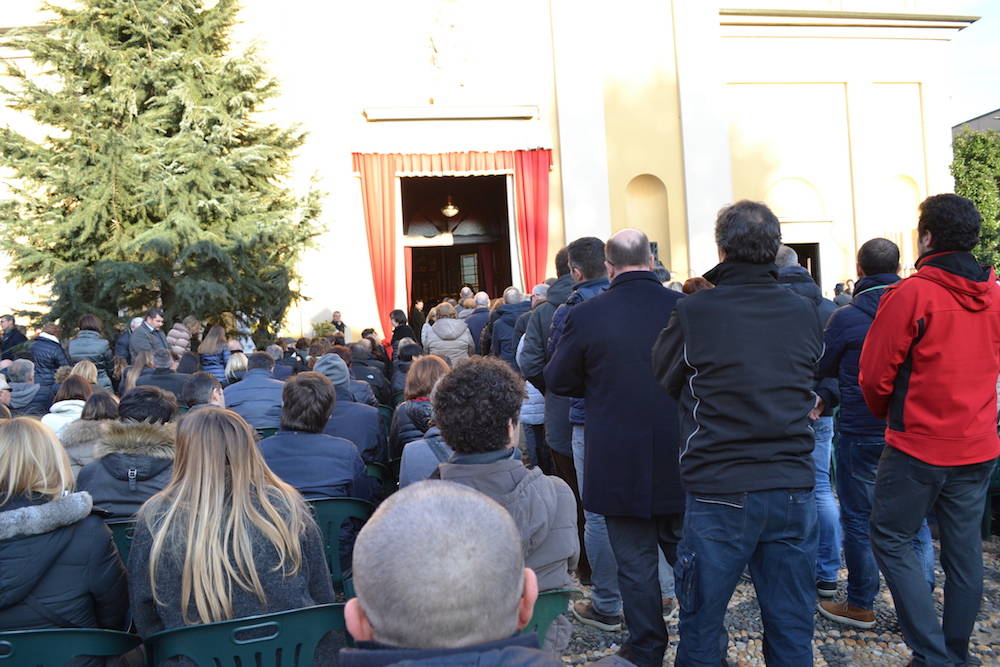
x: 531, y: 191
x: 378, y: 189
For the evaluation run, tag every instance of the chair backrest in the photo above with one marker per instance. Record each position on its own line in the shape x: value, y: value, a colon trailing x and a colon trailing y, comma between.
x: 266, y: 432
x: 286, y: 638
x: 379, y: 472
x: 330, y: 515
x: 56, y: 647
x: 122, y: 530
x: 549, y: 605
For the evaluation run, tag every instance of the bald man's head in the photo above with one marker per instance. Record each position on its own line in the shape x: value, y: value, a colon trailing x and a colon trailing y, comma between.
x: 628, y: 250
x: 439, y: 565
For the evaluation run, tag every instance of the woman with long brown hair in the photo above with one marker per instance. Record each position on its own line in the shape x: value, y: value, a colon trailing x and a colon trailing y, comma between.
x: 412, y: 417
x: 226, y: 538
x: 141, y: 361
x: 214, y: 353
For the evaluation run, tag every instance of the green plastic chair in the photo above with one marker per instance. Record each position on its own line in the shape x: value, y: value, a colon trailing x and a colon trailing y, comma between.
x: 266, y: 432
x: 122, y: 530
x: 549, y: 605
x: 330, y: 515
x: 56, y: 647
x: 286, y: 638
x: 379, y: 472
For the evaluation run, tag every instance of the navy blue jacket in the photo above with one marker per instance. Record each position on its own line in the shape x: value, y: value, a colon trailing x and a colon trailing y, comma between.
x: 476, y: 320
x: 9, y: 341
x: 256, y: 398
x: 48, y: 356
x: 318, y: 465
x: 360, y: 424
x: 517, y: 651
x: 503, y: 344
x: 844, y: 337
x: 632, y: 436
x: 216, y: 363
x: 583, y: 291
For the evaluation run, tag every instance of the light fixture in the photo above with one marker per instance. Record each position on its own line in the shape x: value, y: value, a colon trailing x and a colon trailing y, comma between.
x: 449, y: 210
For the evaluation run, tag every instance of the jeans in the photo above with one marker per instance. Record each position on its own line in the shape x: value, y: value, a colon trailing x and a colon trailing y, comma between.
x: 857, y: 465
x: 906, y: 489
x: 605, y: 595
x: 828, y: 512
x: 773, y: 531
x: 638, y: 544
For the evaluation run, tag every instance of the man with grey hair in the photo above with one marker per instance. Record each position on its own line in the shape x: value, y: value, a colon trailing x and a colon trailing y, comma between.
x: 746, y: 461
x: 124, y: 340
x: 27, y: 399
x: 477, y: 319
x: 420, y: 604
x: 502, y: 343
x: 630, y: 437
x: 282, y: 371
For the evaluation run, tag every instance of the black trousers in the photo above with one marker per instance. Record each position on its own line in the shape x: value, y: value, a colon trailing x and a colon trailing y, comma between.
x: 636, y: 543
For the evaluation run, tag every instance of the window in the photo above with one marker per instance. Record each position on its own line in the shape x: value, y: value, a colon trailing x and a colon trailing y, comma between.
x: 470, y: 270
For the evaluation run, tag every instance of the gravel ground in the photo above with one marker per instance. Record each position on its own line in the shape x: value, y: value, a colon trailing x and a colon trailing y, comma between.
x: 833, y: 644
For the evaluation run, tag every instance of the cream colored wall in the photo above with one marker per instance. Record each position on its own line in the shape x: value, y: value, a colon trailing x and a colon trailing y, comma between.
x: 843, y: 140
x: 641, y: 106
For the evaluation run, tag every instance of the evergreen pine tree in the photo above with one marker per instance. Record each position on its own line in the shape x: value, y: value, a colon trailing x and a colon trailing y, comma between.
x: 976, y: 169
x: 156, y: 185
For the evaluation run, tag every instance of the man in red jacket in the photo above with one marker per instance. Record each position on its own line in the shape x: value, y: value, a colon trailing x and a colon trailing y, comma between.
x: 929, y: 367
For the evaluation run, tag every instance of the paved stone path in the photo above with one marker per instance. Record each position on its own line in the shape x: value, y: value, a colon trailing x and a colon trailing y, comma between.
x: 833, y: 644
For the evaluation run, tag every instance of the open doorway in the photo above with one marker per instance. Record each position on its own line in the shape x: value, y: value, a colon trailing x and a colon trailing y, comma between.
x: 471, y: 246
x: 808, y: 257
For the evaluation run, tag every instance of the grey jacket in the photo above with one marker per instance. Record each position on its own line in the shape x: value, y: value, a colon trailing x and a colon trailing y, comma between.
x: 450, y: 339
x: 144, y: 338
x: 79, y: 439
x: 91, y: 346
x: 543, y: 507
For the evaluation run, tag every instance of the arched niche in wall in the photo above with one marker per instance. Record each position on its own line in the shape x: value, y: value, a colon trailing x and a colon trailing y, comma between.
x: 796, y: 199
x: 647, y: 209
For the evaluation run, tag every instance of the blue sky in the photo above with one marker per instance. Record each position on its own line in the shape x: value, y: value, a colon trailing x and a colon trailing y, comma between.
x: 975, y: 84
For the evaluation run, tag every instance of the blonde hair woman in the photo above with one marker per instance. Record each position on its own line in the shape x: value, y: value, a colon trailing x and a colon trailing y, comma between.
x: 449, y: 337
x: 47, y: 535
x: 85, y: 369
x: 236, y: 368
x: 226, y: 538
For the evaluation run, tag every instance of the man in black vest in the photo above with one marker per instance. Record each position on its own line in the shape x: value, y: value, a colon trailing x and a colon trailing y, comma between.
x: 630, y: 465
x: 741, y: 361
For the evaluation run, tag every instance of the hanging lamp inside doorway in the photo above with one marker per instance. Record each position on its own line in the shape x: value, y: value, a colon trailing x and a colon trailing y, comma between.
x: 449, y: 210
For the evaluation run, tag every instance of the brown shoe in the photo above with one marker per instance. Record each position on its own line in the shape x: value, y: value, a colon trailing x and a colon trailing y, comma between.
x: 842, y: 612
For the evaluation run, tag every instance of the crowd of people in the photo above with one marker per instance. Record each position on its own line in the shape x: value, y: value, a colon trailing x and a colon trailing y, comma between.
x: 652, y: 444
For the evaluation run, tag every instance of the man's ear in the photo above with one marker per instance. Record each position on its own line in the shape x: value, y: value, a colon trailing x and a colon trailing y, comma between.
x: 527, y: 605
x: 357, y: 621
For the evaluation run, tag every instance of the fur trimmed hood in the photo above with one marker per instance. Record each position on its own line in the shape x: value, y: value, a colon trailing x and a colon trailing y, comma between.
x: 82, y: 432
x: 40, y: 519
x: 137, y: 439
